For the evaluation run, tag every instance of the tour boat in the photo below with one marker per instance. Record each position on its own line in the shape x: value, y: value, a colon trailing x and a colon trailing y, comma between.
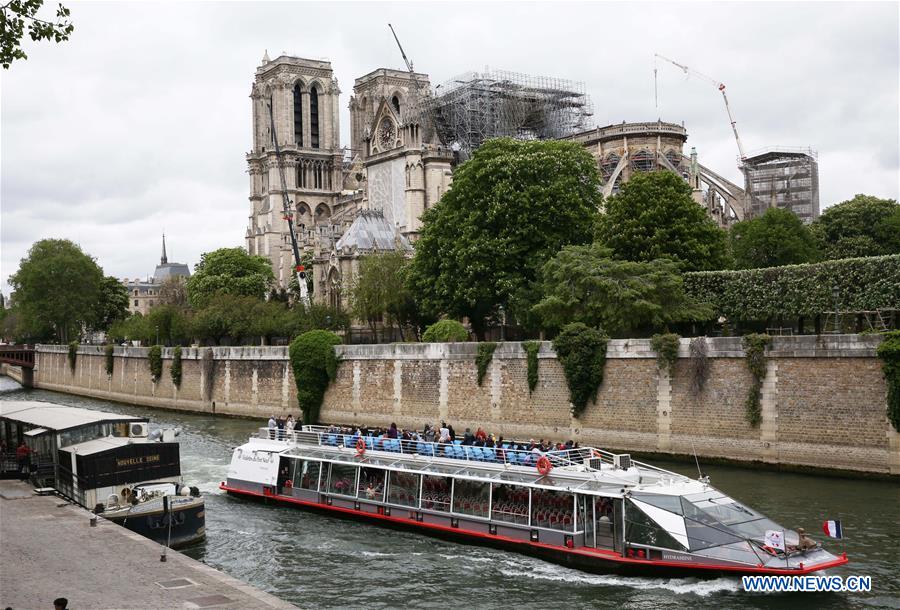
x: 582, y: 507
x: 110, y: 464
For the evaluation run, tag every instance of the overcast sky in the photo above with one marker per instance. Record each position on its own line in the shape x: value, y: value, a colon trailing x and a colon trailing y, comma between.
x: 141, y: 121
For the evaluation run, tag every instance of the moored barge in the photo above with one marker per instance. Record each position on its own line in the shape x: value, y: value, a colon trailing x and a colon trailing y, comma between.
x: 107, y: 463
x: 582, y: 507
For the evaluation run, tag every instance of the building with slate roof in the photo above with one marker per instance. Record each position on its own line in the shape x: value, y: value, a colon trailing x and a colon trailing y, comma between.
x: 143, y: 294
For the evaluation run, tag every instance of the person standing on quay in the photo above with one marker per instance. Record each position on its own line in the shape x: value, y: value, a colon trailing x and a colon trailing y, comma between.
x: 23, y: 456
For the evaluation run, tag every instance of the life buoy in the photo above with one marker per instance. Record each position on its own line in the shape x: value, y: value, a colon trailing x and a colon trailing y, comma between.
x: 360, y: 446
x: 544, y: 466
x: 289, y: 483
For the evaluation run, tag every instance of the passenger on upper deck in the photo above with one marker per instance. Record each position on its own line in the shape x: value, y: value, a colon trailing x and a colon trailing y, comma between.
x: 468, y: 437
x: 392, y: 432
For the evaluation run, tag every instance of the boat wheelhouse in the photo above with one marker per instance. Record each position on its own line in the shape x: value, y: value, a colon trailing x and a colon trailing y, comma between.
x: 581, y: 507
x: 107, y: 462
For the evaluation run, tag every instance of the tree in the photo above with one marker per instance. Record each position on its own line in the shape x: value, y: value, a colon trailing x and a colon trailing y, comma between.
x: 173, y: 291
x: 776, y: 238
x: 379, y: 291
x: 229, y: 271
x: 511, y: 207
x: 57, y: 290
x: 862, y: 226
x: 585, y: 284
x: 654, y: 216
x: 316, y: 316
x: 112, y: 304
x: 16, y: 14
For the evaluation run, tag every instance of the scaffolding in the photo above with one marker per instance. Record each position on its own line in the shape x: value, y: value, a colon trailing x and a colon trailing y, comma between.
x: 473, y: 107
x: 783, y: 177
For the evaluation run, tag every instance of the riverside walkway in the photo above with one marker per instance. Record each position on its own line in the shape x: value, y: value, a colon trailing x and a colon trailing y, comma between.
x: 50, y: 550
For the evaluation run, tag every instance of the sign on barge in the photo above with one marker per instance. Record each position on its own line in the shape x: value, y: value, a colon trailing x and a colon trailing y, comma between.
x: 582, y: 507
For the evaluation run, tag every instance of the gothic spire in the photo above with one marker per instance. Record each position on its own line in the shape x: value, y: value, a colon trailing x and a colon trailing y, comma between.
x: 163, y: 260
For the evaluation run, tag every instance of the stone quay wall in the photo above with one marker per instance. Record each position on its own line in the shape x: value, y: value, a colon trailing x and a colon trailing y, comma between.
x: 823, y: 398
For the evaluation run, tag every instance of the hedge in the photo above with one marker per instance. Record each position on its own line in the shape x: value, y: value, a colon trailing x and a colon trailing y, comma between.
x: 154, y: 360
x: 889, y: 353
x: 315, y: 365
x: 445, y: 331
x: 175, y: 371
x: 483, y: 359
x: 581, y: 351
x: 864, y: 284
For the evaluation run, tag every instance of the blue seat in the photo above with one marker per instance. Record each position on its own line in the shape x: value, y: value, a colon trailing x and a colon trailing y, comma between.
x: 395, y: 446
x: 448, y: 451
x: 370, y: 442
x: 489, y: 454
x: 429, y: 448
x: 458, y: 451
x: 420, y: 448
x: 331, y: 439
x: 476, y: 451
x: 457, y: 442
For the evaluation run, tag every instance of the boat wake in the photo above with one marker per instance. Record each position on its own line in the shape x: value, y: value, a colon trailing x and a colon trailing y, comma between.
x: 681, y: 586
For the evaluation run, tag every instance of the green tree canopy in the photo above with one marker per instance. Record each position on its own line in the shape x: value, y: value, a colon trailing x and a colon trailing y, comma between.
x: 511, y: 207
x: 379, y: 291
x: 654, y: 216
x: 862, y: 226
x: 776, y: 238
x: 112, y: 304
x: 585, y: 284
x: 58, y: 288
x: 229, y: 271
x: 16, y: 15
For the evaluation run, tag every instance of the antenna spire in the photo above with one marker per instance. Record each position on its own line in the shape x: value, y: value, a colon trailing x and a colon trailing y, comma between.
x: 163, y: 260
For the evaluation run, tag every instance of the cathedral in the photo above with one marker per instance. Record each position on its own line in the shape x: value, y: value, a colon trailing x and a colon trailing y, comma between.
x: 347, y: 202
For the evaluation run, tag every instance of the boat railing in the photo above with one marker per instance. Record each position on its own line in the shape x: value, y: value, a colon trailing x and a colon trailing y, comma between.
x: 589, y: 458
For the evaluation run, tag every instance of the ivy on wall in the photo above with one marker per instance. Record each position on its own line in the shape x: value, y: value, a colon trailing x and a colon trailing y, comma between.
x: 863, y: 284
x: 531, y: 354
x: 666, y: 347
x: 582, y: 353
x: 755, y: 345
x: 154, y: 359
x: 110, y: 360
x: 889, y: 354
x: 484, y: 357
x: 699, y: 364
x: 73, y: 354
x: 315, y: 366
x: 176, y: 366
x: 208, y: 368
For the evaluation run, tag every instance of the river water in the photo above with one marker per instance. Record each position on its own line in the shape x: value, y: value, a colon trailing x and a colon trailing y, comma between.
x: 316, y: 560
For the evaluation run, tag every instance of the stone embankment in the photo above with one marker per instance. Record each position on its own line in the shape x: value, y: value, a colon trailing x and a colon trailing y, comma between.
x: 823, y: 398
x: 50, y: 550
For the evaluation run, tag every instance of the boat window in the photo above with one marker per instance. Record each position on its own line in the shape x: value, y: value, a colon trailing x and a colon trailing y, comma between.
x: 403, y: 489
x: 726, y: 510
x: 703, y: 531
x: 669, y: 503
x: 371, y: 484
x: 436, y: 493
x: 306, y: 474
x: 553, y: 509
x: 471, y: 497
x: 741, y: 552
x: 510, y: 504
x: 641, y: 529
x: 343, y: 479
x: 120, y: 429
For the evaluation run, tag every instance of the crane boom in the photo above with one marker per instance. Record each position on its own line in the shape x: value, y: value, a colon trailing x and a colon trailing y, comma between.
x: 288, y: 215
x: 721, y: 87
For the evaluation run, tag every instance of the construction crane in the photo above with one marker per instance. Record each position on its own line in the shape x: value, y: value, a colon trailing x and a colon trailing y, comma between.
x: 416, y: 101
x: 288, y: 213
x: 720, y: 87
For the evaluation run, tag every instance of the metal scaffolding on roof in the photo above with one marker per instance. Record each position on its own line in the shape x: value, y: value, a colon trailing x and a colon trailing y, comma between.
x: 476, y: 106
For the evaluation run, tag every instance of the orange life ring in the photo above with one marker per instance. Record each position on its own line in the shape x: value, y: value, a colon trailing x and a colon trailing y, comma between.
x: 360, y: 446
x: 544, y: 466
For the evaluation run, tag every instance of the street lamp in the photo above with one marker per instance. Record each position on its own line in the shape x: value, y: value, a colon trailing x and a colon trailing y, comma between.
x: 836, y: 293
x: 157, y: 335
x: 502, y: 322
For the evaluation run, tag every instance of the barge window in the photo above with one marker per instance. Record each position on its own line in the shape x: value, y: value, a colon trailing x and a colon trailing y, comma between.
x: 343, y: 479
x: 306, y: 474
x: 403, y: 489
x: 510, y: 504
x: 641, y: 529
x: 371, y: 484
x: 471, y: 497
x: 436, y: 493
x: 553, y: 509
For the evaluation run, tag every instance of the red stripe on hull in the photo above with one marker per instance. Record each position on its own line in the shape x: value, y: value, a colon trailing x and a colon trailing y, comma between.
x: 603, y: 555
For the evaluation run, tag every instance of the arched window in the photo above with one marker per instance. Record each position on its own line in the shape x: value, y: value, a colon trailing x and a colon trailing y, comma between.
x: 334, y: 289
x: 395, y: 102
x: 643, y: 161
x: 314, y: 117
x: 298, y: 115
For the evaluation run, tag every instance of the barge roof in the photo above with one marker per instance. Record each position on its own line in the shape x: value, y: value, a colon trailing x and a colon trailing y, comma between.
x: 51, y: 416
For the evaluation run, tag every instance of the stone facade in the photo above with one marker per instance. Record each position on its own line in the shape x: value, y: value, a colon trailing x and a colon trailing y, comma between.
x: 143, y: 295
x: 823, y: 403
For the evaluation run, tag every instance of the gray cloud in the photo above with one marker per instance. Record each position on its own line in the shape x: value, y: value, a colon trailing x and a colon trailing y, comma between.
x: 140, y: 122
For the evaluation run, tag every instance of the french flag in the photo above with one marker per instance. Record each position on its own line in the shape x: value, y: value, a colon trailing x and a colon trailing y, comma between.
x: 832, y: 528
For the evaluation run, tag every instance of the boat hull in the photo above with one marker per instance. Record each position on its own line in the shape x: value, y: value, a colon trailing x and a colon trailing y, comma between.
x: 583, y: 558
x: 188, y: 523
